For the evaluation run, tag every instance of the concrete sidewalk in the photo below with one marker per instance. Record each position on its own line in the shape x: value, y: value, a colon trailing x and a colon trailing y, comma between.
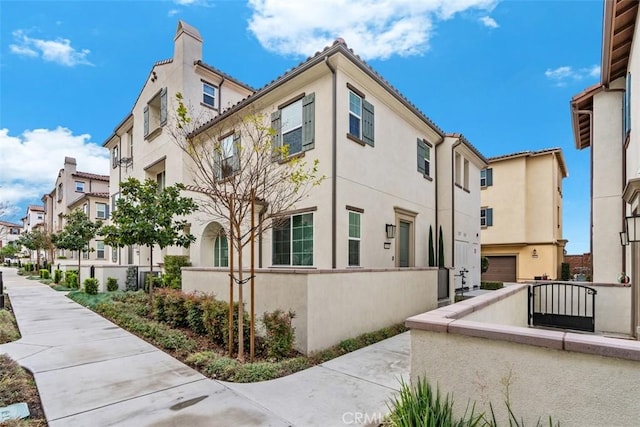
x: 90, y: 372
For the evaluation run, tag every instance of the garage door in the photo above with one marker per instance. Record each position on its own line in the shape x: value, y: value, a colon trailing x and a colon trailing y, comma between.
x: 501, y: 269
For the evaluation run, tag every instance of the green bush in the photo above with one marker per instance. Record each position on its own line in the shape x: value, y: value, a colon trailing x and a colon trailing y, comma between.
x: 57, y: 276
x: 172, y: 277
x: 484, y: 264
x: 153, y: 280
x: 91, y: 286
x: 280, y: 335
x: 491, y: 286
x: 195, y: 313
x: 216, y: 323
x: 131, y: 281
x: 565, y: 271
x: 112, y: 284
x: 175, y: 311
x: 71, y: 279
x: 44, y: 274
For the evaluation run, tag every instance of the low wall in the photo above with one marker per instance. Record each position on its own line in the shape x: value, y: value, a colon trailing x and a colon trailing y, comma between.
x: 330, y: 305
x: 577, y: 379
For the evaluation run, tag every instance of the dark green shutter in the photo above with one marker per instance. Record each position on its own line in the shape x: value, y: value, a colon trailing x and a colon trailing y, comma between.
x: 422, y: 151
x: 146, y: 120
x: 489, y: 177
x: 367, y: 123
x: 236, y: 151
x: 163, y: 106
x: 308, y: 126
x: 277, y: 129
x: 489, y: 213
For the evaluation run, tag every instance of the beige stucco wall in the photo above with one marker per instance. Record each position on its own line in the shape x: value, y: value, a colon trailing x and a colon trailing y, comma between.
x: 607, y: 185
x: 528, y: 267
x: 575, y: 389
x: 508, y: 311
x: 613, y: 309
x: 330, y: 305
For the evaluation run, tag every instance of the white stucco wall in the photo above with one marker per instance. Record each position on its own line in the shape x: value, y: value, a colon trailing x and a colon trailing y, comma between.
x: 330, y: 305
x: 607, y: 185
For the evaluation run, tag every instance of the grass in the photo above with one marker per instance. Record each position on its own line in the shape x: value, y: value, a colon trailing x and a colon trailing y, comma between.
x: 132, y: 311
x: 62, y: 288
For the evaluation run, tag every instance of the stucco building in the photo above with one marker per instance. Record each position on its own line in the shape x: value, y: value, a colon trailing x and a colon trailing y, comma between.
x: 521, y: 215
x: 71, y: 188
x: 604, y: 120
x: 392, y: 179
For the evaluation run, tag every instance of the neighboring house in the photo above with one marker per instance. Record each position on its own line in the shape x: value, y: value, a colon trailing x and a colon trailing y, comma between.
x: 9, y: 233
x: 521, y: 215
x: 70, y: 188
x: 96, y: 207
x: 363, y: 235
x: 33, y: 218
x: 605, y: 119
x: 142, y: 146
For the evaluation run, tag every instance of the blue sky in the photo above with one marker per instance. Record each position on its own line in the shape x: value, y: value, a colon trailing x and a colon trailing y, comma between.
x: 500, y: 72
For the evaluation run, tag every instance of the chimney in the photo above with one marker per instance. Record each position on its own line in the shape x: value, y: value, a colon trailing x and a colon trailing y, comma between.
x: 187, y: 44
x: 69, y: 165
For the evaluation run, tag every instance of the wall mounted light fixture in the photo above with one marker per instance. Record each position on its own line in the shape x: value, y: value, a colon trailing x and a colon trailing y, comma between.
x: 633, y: 228
x: 391, y: 231
x: 624, y: 239
x: 534, y: 254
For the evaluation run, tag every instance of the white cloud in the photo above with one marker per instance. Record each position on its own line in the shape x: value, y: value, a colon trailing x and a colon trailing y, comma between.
x: 373, y: 28
x: 59, y: 50
x: 173, y: 12
x: 489, y: 22
x: 30, y: 162
x: 567, y: 74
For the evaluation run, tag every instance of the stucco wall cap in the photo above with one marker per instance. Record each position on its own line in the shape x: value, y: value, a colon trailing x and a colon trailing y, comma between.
x: 603, y: 346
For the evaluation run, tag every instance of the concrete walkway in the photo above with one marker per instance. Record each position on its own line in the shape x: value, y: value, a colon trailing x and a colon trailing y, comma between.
x: 90, y: 372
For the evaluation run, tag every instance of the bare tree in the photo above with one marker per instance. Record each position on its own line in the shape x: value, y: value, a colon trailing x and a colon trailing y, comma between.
x: 237, y: 164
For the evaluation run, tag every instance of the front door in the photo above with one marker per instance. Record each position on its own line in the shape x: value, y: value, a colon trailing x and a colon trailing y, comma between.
x: 404, y: 239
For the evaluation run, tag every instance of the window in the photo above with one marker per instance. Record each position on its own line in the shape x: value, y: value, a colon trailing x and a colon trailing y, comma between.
x: 486, y: 177
x: 40, y: 216
x: 229, y: 155
x: 466, y: 174
x: 130, y: 143
x: 361, y: 115
x: 208, y: 94
x: 59, y: 192
x: 354, y: 238
x: 85, y: 252
x: 294, y: 124
x: 85, y: 209
x: 155, y: 113
x: 424, y: 157
x: 114, y: 157
x: 293, y: 241
x: 114, y: 201
x: 221, y: 251
x: 80, y: 186
x: 100, y: 249
x: 486, y: 217
x: 102, y: 210
x: 161, y: 180
x: 458, y: 167
x: 114, y: 254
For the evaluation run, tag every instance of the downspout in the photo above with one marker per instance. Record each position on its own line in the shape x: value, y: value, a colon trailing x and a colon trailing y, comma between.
x: 119, y: 181
x: 334, y: 157
x: 453, y: 204
x: 220, y: 95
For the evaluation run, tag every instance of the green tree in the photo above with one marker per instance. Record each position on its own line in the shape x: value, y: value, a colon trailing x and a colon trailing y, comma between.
x: 76, y: 235
x: 432, y: 252
x: 9, y: 251
x: 254, y: 171
x: 35, y: 240
x: 146, y: 215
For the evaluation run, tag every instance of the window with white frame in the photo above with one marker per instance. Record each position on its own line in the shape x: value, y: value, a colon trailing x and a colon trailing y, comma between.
x: 466, y: 175
x: 100, y: 254
x: 59, y: 193
x: 228, y: 155
x: 293, y: 241
x: 114, y: 254
x: 424, y: 157
x: 79, y: 186
x: 354, y: 238
x: 85, y: 209
x: 361, y: 118
x: 208, y: 94
x: 486, y: 177
x: 102, y: 210
x: 458, y: 167
x: 115, y: 158
x: 486, y: 217
x: 221, y: 251
x: 161, y: 180
x: 294, y: 126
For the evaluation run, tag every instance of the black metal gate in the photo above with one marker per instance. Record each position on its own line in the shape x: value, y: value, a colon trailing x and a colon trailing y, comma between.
x: 562, y: 305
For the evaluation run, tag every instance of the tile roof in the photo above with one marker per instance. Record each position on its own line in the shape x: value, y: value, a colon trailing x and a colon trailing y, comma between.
x: 91, y: 176
x: 36, y: 208
x: 10, y: 224
x: 223, y: 74
x: 557, y: 150
x: 468, y: 144
x: 339, y: 45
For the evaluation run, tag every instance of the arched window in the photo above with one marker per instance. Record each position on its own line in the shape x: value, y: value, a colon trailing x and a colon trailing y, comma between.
x: 221, y: 251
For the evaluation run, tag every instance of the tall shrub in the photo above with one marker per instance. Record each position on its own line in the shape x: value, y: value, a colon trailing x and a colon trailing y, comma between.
x: 432, y: 252
x: 565, y: 272
x: 172, y: 277
x: 280, y: 334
